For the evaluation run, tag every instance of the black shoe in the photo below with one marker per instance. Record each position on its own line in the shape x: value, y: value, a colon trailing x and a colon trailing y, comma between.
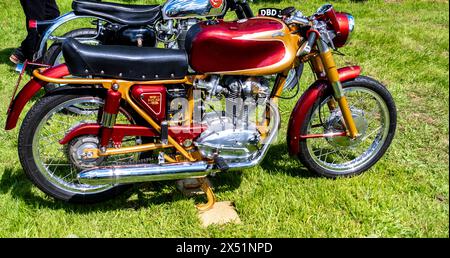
x: 17, y: 56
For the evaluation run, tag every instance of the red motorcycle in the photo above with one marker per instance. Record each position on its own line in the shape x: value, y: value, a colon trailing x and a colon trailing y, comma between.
x: 127, y: 115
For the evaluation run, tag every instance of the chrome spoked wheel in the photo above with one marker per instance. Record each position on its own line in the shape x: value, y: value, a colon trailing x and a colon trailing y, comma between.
x: 54, y: 167
x: 51, y: 157
x: 373, y: 112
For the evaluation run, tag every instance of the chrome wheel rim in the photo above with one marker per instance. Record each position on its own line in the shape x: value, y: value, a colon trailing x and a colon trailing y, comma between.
x: 366, y: 105
x: 51, y: 158
x: 59, y: 59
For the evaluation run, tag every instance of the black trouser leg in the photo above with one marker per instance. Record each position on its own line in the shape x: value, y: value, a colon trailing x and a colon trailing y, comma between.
x: 51, y: 10
x: 36, y: 10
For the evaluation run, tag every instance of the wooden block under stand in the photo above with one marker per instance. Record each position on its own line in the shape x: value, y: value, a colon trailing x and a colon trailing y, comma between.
x: 221, y: 213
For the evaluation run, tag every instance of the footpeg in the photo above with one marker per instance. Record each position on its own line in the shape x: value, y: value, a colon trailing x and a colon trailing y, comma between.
x: 221, y: 164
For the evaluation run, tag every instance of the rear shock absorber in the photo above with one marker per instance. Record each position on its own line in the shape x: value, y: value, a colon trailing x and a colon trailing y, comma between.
x: 109, y: 116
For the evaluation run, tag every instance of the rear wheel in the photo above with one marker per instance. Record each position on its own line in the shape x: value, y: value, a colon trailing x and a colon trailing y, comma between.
x: 53, y: 167
x: 54, y: 55
x: 375, y: 116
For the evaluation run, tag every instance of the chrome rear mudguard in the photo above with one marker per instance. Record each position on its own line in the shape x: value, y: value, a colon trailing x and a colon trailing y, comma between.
x: 54, y: 25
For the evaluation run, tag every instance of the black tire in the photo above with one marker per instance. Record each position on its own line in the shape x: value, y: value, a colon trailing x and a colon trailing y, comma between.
x: 55, y: 49
x: 25, y: 148
x: 361, y: 81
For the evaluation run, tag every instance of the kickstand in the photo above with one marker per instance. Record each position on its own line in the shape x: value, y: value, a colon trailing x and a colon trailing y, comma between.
x: 206, y: 187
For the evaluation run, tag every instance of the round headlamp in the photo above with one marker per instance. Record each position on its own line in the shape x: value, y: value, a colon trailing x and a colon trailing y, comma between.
x: 346, y: 27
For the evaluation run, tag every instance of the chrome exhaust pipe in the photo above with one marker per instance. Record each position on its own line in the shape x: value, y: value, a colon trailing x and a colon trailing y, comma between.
x: 144, y: 173
x: 171, y: 171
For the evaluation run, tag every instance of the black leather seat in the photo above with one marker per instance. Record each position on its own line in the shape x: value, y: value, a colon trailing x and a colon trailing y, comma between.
x: 138, y: 15
x: 124, y: 62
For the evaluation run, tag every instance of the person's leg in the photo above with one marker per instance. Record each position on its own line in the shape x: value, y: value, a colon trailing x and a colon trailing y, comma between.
x: 17, y: 56
x: 51, y: 10
x: 34, y: 10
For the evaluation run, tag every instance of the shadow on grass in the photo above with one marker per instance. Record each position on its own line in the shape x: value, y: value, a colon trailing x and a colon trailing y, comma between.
x: 15, y: 182
x: 276, y: 163
x: 4, y: 56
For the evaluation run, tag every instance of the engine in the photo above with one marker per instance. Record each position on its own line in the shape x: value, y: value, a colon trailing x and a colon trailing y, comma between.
x: 173, y: 32
x: 232, y: 109
x: 235, y: 87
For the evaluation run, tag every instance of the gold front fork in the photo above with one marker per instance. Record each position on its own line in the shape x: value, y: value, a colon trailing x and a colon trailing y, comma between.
x: 333, y: 76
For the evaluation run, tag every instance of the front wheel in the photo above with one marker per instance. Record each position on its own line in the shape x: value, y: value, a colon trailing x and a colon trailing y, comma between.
x: 374, y: 112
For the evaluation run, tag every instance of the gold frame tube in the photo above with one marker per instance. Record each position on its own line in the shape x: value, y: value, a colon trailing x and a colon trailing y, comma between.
x: 38, y: 75
x: 124, y: 88
x: 133, y: 149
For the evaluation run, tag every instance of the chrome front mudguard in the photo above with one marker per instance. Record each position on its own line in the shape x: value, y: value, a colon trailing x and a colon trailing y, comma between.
x: 55, y: 24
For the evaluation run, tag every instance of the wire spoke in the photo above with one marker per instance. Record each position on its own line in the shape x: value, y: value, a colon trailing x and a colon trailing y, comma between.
x: 330, y: 152
x: 55, y: 163
x: 347, y: 154
x: 61, y: 122
x: 370, y: 134
x: 58, y: 165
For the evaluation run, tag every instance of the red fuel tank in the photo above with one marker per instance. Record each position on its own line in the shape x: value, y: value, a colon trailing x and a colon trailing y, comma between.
x: 257, y: 46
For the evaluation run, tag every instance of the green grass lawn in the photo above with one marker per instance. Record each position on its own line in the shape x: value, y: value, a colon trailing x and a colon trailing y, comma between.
x: 404, y: 44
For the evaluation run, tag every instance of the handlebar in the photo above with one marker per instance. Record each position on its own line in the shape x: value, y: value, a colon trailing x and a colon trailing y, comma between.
x: 315, y: 26
x: 298, y: 18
